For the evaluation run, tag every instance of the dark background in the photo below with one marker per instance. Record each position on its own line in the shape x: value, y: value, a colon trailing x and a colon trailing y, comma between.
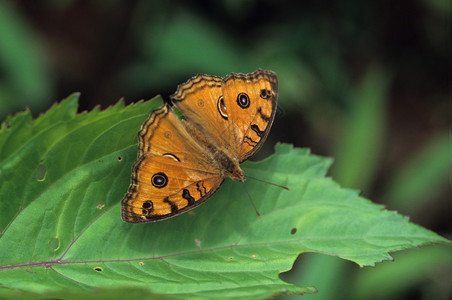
x: 365, y: 82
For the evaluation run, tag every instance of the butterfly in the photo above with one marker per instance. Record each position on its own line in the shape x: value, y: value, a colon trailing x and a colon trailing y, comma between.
x: 182, y: 162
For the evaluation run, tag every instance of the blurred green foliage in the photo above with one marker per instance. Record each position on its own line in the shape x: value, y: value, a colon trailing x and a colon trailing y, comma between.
x: 362, y: 81
x: 25, y: 78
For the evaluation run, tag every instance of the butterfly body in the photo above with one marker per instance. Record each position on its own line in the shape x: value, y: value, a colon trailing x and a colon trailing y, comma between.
x: 226, y: 163
x: 181, y: 163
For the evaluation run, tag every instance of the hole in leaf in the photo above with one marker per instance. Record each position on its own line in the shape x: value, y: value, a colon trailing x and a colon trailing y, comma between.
x: 41, y: 172
x: 54, y: 244
x: 293, y: 231
x: 141, y: 263
x: 119, y: 158
x: 98, y: 269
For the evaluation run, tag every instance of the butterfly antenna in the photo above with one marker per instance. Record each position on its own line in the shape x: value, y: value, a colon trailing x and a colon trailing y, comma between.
x: 267, y: 182
x: 251, y: 200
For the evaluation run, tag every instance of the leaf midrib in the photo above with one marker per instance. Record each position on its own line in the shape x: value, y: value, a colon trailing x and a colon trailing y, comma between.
x: 61, y: 260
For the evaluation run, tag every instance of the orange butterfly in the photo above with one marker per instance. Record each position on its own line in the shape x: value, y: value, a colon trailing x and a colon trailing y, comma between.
x: 181, y: 163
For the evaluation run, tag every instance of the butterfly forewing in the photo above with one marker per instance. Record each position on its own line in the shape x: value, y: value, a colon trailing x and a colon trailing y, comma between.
x: 201, y: 102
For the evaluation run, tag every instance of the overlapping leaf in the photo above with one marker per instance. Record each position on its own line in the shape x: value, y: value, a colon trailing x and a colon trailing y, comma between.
x: 62, y: 179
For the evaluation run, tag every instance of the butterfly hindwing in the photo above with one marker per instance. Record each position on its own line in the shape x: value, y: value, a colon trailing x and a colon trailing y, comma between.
x: 236, y: 111
x: 251, y: 100
x: 171, y: 175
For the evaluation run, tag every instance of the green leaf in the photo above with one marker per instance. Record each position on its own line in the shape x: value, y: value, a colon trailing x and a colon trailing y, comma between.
x: 63, y: 176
